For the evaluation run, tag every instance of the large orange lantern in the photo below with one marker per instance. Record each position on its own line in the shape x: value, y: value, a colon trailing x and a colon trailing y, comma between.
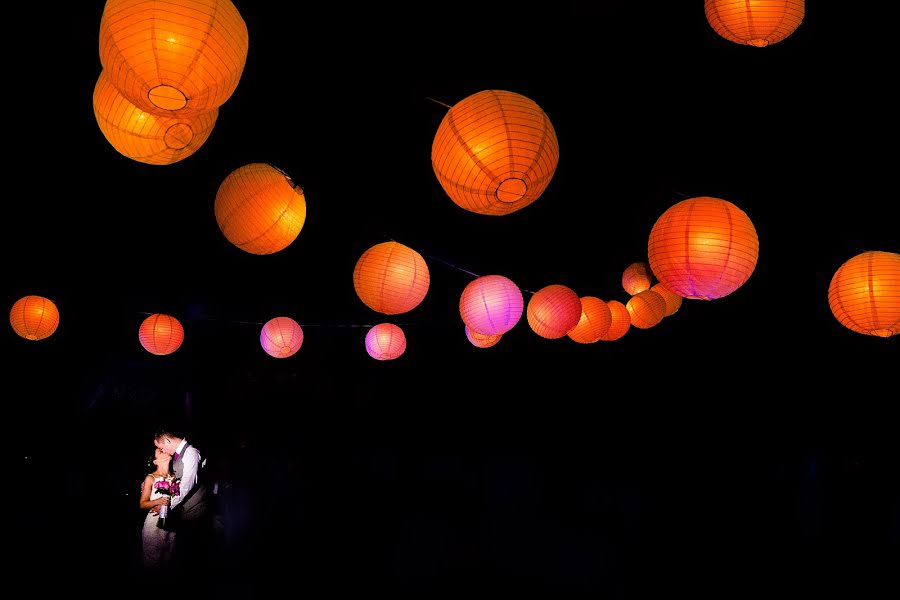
x: 181, y: 57
x: 143, y: 136
x: 594, y: 322
x: 495, y: 152
x: 281, y: 337
x: 703, y: 248
x: 259, y: 209
x: 646, y: 308
x: 480, y: 340
x: 757, y: 23
x: 34, y: 317
x: 161, y: 334
x: 864, y: 294
x: 491, y: 304
x: 620, y: 322
x: 553, y: 311
x: 636, y: 278
x: 385, y: 341
x: 391, y: 278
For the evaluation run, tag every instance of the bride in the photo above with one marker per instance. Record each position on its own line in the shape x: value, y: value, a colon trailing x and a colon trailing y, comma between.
x: 157, y: 543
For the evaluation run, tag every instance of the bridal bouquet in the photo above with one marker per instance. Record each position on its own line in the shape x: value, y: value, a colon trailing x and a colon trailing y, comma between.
x: 170, y: 488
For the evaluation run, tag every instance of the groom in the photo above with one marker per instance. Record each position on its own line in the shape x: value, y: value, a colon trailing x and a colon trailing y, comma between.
x: 189, y: 513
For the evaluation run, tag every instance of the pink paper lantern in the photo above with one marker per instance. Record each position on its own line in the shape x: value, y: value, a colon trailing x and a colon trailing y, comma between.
x: 281, y: 337
x: 636, y: 278
x: 385, y: 341
x: 553, y: 311
x: 491, y: 304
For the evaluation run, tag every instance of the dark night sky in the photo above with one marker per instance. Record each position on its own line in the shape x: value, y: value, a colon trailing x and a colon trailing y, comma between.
x: 741, y: 424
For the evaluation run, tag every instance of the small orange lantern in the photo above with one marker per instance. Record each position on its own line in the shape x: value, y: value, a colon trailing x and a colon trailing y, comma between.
x: 673, y: 300
x: 620, y: 323
x: 480, y: 340
x: 495, y: 152
x: 594, y: 322
x: 181, y: 57
x: 864, y: 294
x: 161, y: 334
x: 636, y: 278
x: 281, y: 337
x: 491, y: 304
x: 385, y: 341
x: 553, y: 311
x: 647, y: 309
x: 757, y: 23
x: 391, y: 278
x: 145, y: 137
x: 34, y: 317
x: 703, y: 248
x: 259, y: 209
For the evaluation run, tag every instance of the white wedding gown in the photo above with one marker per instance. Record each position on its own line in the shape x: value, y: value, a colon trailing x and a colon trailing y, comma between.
x: 157, y: 543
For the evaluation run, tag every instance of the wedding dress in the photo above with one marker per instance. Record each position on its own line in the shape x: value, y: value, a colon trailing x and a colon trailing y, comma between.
x: 158, y: 544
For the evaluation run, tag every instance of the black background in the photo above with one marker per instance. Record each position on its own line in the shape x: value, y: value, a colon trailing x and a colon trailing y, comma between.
x: 745, y: 444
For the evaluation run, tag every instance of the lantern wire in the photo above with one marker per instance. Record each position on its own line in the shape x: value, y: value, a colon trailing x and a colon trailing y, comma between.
x: 438, y: 102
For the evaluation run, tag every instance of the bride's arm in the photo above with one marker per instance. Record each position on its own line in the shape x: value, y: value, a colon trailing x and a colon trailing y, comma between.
x: 146, y: 489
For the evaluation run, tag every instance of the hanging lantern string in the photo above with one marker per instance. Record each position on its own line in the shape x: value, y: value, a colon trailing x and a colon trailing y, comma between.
x: 438, y: 102
x: 681, y: 194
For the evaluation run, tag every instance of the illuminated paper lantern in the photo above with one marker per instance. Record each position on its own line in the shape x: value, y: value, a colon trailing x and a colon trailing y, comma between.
x: 673, y: 300
x: 259, y: 209
x: 594, y: 322
x: 646, y: 308
x: 281, y: 337
x: 173, y: 56
x: 145, y: 137
x: 495, y: 152
x: 34, y: 317
x: 491, y: 304
x: 636, y: 278
x: 161, y: 334
x: 620, y: 322
x: 553, y: 311
x: 703, y: 248
x: 385, y: 341
x: 480, y: 340
x: 391, y: 278
x: 757, y: 23
x: 864, y: 294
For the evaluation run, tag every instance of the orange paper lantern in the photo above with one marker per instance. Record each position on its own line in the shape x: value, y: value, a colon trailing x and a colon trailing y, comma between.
x: 647, y: 309
x: 161, y: 334
x: 491, y: 304
x: 391, y: 278
x: 259, y: 209
x: 673, y: 300
x: 385, y: 341
x: 553, y: 311
x: 594, y: 322
x: 636, y: 278
x: 145, y: 137
x: 281, y: 337
x: 480, y: 340
x: 864, y: 294
x: 757, y: 23
x: 620, y: 322
x: 181, y: 57
x: 495, y: 152
x: 703, y: 248
x: 34, y: 317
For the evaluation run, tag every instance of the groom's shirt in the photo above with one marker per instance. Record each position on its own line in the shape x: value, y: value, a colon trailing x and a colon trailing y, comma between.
x: 190, y: 467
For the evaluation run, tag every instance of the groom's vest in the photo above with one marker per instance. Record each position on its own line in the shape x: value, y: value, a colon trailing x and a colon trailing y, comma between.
x: 194, y: 505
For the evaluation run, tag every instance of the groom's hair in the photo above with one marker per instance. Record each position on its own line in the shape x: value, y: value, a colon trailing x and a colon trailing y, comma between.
x: 164, y: 432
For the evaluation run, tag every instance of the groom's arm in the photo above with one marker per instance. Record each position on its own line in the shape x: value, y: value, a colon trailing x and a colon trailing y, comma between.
x: 190, y: 465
